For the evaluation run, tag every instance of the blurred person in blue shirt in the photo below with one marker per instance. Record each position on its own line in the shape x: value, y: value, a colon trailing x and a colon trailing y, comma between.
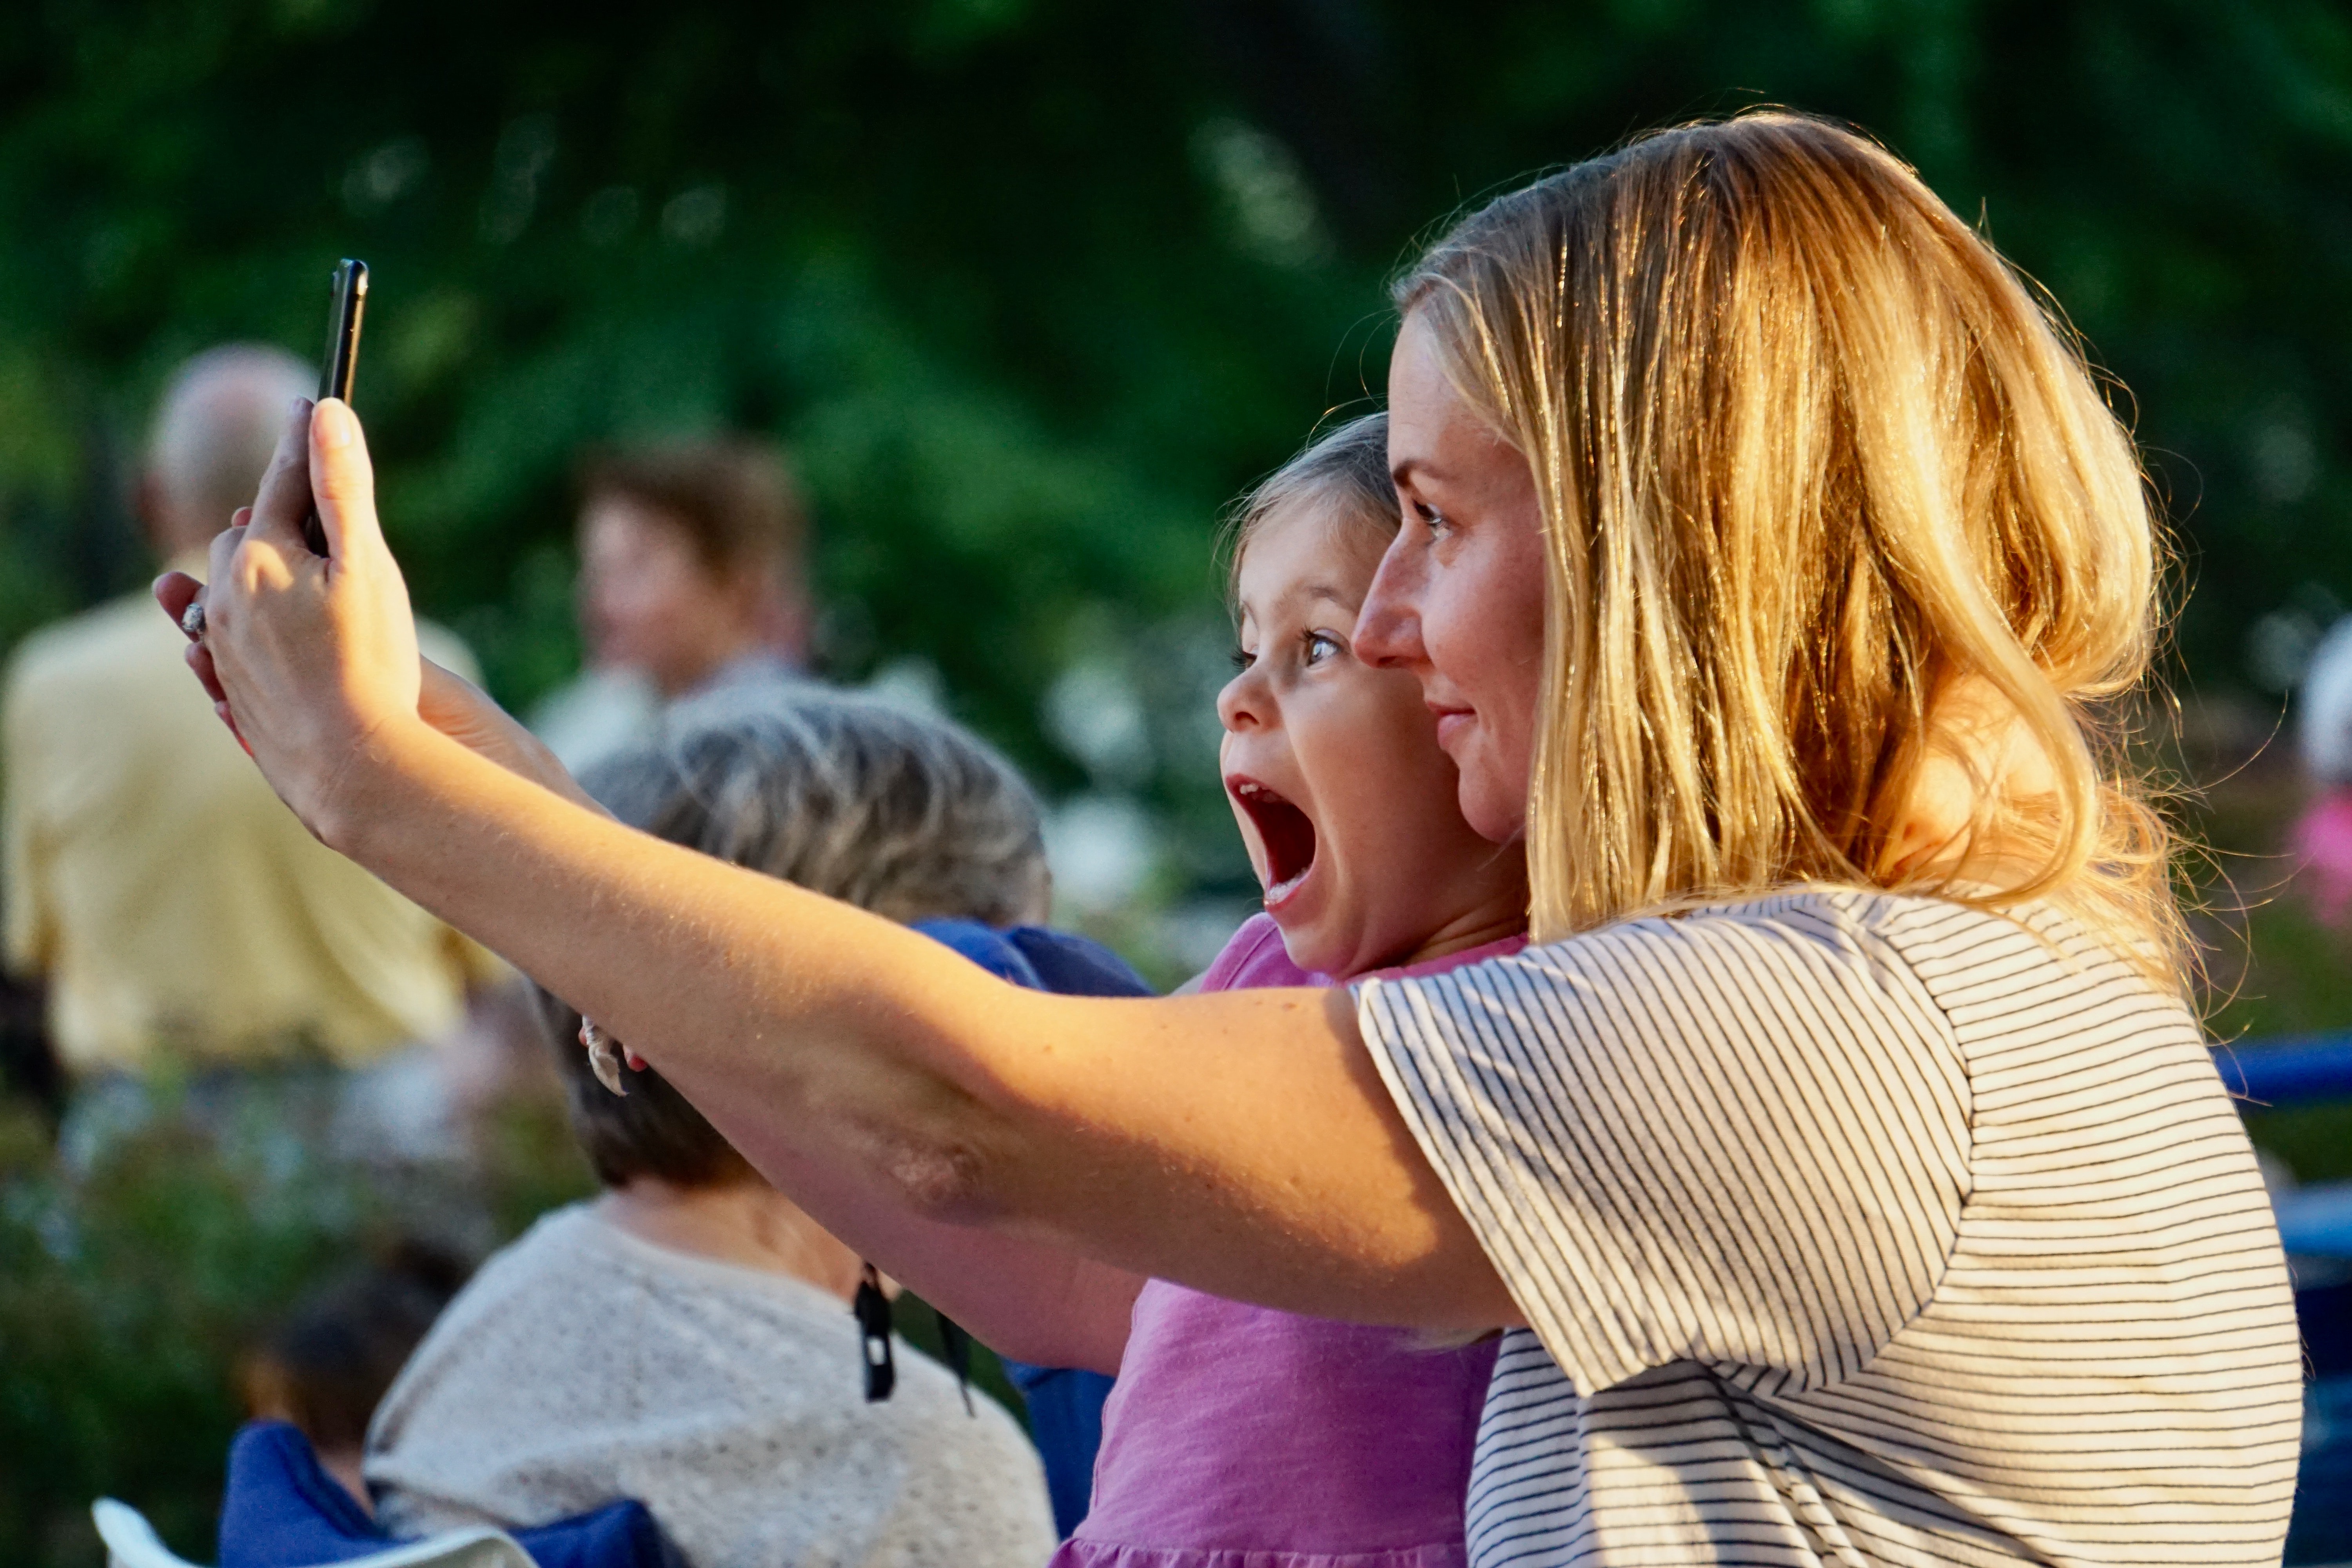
x: 693, y: 579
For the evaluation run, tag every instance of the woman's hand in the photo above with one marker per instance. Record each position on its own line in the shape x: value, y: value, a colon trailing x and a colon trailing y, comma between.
x: 312, y: 660
x: 354, y: 600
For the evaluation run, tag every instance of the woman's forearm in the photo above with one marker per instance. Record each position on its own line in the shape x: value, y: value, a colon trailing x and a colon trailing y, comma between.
x: 702, y: 967
x: 1024, y: 1299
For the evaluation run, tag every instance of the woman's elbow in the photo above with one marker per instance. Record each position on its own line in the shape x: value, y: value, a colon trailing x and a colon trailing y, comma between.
x: 944, y: 1182
x: 944, y: 1164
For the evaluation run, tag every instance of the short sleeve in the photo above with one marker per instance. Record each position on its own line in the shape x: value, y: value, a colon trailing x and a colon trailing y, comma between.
x: 1738, y: 1138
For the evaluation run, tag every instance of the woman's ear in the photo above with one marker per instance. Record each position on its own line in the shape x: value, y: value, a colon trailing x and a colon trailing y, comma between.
x: 1934, y: 820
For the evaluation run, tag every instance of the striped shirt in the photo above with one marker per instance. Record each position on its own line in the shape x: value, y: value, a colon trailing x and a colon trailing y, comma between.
x: 1858, y: 1228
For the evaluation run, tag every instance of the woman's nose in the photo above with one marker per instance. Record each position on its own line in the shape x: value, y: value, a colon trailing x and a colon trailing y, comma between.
x: 1388, y: 628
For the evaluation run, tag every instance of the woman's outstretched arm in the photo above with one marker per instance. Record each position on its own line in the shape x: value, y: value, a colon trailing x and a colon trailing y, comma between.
x: 1035, y: 1303
x: 1239, y: 1142
x: 1242, y: 1143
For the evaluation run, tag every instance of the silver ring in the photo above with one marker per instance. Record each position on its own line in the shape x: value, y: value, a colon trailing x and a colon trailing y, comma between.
x: 192, y: 619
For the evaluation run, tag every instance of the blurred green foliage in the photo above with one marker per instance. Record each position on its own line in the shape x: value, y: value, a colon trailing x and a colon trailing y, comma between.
x: 1030, y: 287
x: 123, y: 1306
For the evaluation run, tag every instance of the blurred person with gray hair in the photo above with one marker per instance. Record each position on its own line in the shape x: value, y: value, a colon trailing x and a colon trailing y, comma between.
x: 183, y: 920
x: 686, y: 1339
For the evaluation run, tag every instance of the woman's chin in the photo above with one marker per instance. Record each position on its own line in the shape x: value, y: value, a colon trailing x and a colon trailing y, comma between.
x: 1494, y: 802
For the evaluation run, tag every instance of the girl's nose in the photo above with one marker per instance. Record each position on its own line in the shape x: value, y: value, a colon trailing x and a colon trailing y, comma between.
x: 1245, y: 704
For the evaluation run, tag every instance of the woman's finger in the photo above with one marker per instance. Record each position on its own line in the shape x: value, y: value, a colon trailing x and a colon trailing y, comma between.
x: 175, y: 591
x: 285, y: 498
x: 220, y: 710
x: 222, y: 551
x: 342, y: 480
x: 200, y: 660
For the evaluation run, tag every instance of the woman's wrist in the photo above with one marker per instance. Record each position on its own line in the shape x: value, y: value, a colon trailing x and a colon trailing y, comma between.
x: 390, y: 779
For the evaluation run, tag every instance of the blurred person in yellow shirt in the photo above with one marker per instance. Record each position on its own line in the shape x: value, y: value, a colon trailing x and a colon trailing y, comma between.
x: 183, y: 920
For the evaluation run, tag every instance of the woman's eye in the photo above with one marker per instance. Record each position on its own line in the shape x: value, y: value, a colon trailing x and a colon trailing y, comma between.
x: 1433, y: 519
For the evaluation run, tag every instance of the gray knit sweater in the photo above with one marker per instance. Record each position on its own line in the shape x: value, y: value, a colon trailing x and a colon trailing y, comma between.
x: 583, y: 1365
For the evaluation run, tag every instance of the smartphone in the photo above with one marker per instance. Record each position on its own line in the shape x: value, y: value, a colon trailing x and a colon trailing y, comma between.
x: 343, y: 361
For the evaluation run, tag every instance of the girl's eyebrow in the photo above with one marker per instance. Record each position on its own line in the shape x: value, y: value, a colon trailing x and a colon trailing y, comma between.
x: 1318, y: 588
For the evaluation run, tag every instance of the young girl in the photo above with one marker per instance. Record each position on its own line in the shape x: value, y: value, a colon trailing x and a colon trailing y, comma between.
x: 1237, y: 1430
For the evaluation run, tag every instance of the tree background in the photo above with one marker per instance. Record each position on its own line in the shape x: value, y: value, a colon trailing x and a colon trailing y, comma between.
x: 1032, y: 288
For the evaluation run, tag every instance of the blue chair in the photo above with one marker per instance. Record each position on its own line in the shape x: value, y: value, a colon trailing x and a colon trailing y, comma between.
x: 281, y: 1510
x: 1064, y: 1402
x: 131, y: 1542
x: 2316, y: 1225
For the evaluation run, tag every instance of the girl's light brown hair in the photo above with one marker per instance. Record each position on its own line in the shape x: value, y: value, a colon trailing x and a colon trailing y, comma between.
x: 1827, y: 494
x: 1344, y: 472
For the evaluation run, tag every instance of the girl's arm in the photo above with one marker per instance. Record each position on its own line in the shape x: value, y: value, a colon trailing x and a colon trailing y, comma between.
x: 1240, y: 1143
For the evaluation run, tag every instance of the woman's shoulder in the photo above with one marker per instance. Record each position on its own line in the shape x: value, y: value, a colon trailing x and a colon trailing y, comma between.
x: 555, y: 1255
x: 1906, y: 946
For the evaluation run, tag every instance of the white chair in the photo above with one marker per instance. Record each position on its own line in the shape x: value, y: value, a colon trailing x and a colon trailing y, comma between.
x: 131, y: 1542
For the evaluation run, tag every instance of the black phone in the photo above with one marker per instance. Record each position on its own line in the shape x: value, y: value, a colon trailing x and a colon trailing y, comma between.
x: 343, y: 361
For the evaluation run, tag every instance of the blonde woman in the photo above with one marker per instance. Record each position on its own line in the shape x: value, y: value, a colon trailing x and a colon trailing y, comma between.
x: 1845, y: 1160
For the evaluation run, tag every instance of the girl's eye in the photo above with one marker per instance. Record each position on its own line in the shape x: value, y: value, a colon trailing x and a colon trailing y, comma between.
x: 1243, y: 658
x: 1433, y: 519
x: 1321, y: 645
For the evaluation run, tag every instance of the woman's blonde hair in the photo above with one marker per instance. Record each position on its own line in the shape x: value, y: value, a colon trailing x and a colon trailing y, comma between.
x: 1812, y: 459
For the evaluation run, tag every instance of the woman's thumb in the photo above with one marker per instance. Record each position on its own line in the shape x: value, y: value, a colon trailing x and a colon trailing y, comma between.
x: 342, y: 481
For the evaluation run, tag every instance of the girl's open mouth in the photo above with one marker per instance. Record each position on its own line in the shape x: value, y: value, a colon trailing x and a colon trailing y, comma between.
x: 1287, y: 832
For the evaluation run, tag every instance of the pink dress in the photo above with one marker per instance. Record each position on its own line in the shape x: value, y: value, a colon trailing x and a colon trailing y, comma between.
x: 1240, y: 1437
